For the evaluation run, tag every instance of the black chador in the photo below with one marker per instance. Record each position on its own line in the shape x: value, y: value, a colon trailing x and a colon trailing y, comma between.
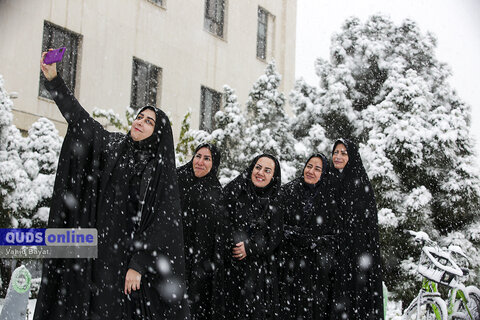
x: 358, y: 279
x: 203, y: 220
x: 127, y: 190
x: 307, y: 250
x: 251, y: 283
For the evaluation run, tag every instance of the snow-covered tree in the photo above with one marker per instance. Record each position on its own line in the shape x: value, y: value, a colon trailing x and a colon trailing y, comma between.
x: 385, y: 89
x: 267, y: 125
x: 229, y: 132
x: 307, y: 125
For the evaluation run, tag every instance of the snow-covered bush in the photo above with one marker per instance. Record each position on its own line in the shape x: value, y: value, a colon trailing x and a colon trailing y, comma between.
x: 27, y: 172
x: 28, y: 166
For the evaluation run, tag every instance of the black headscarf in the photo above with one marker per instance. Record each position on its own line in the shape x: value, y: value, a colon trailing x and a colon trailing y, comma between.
x: 273, y: 186
x: 308, y: 246
x: 186, y: 175
x: 95, y: 165
x: 256, y: 220
x: 354, y: 166
x: 203, y: 223
x: 325, y: 170
x: 359, y: 274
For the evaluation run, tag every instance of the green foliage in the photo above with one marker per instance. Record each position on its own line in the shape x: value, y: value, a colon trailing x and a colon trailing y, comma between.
x: 185, y: 145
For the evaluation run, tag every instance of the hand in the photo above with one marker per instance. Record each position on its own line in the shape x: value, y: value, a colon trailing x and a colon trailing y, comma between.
x: 132, y: 281
x: 239, y: 252
x: 49, y: 70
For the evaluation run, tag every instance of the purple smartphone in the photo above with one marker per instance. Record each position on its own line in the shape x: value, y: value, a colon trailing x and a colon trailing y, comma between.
x: 54, y: 56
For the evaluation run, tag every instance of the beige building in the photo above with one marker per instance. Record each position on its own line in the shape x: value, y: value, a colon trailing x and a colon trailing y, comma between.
x: 176, y: 54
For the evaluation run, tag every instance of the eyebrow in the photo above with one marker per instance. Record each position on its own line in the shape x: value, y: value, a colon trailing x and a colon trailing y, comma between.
x: 141, y: 114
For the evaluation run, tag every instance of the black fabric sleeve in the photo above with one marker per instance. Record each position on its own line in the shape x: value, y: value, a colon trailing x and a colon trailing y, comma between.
x: 68, y: 105
x: 299, y: 237
x: 267, y: 239
x: 137, y: 264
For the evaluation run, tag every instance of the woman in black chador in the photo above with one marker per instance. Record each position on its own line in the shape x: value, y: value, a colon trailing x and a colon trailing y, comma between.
x: 256, y: 231
x: 202, y: 207
x: 358, y: 279
x: 125, y: 186
x: 307, y: 249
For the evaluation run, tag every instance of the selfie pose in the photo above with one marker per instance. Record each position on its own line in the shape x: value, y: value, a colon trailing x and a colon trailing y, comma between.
x: 203, y: 222
x: 125, y: 186
x: 256, y: 231
x: 309, y: 243
x: 358, y: 275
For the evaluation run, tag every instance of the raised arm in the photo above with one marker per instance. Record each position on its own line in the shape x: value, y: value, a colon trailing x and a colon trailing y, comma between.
x: 68, y: 105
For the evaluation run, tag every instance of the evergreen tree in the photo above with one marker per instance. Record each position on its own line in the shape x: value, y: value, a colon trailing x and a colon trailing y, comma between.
x: 267, y: 125
x: 185, y: 143
x: 307, y: 125
x: 229, y: 133
x: 385, y: 89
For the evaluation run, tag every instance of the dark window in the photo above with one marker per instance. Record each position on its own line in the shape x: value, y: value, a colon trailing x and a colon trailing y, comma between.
x: 56, y: 37
x: 214, y: 16
x: 262, y: 33
x: 210, y: 104
x: 145, y: 84
x: 160, y: 3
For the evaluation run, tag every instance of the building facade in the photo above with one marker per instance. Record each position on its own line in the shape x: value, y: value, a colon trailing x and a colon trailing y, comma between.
x: 174, y: 54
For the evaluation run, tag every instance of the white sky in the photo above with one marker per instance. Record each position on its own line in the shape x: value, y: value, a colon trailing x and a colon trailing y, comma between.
x: 455, y: 23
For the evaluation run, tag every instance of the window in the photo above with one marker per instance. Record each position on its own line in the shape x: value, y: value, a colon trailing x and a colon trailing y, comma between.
x: 56, y: 37
x: 210, y: 104
x: 214, y: 16
x: 145, y: 84
x: 160, y: 3
x: 262, y: 33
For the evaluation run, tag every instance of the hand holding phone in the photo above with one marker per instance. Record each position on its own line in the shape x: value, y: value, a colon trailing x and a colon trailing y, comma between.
x: 48, y: 70
x: 54, y: 56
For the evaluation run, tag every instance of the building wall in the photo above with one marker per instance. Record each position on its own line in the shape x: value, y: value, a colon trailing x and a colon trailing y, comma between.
x: 171, y: 37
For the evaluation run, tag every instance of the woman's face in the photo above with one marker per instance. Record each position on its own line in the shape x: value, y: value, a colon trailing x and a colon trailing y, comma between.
x: 340, y: 156
x: 313, y: 170
x: 202, y: 162
x: 143, y: 125
x: 263, y: 171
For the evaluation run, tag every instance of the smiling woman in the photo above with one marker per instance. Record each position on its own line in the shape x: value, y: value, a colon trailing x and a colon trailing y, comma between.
x: 202, y: 217
x: 143, y: 125
x: 262, y: 173
x: 358, y: 274
x: 120, y: 184
x: 256, y: 232
x: 308, y: 246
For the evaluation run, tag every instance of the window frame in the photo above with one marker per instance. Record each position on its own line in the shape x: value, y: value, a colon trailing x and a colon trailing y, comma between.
x: 159, y: 3
x: 54, y: 36
x: 216, y: 104
x: 212, y: 22
x: 262, y: 39
x: 147, y: 99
